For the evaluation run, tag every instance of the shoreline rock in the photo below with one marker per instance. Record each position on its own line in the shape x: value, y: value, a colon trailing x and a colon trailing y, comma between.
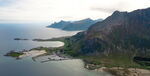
x: 52, y: 57
x: 119, y: 71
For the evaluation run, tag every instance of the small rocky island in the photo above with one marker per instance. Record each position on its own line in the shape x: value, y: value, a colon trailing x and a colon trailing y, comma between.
x: 20, y: 39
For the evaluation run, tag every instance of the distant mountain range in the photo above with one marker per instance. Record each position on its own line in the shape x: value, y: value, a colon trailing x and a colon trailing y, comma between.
x: 75, y: 25
x: 119, y: 39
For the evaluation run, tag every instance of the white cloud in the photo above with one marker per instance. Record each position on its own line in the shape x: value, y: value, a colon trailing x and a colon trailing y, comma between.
x: 54, y: 10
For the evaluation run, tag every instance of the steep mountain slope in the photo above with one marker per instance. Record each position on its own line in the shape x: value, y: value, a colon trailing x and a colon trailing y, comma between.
x: 121, y: 35
x: 76, y: 25
x: 60, y: 24
x: 124, y: 30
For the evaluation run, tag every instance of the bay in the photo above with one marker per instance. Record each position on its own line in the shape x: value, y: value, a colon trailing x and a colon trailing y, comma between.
x: 26, y: 66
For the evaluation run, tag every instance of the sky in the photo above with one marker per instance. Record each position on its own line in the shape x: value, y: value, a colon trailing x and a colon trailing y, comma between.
x: 16, y: 11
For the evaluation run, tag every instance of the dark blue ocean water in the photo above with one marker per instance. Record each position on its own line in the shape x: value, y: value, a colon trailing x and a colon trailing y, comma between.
x: 26, y: 66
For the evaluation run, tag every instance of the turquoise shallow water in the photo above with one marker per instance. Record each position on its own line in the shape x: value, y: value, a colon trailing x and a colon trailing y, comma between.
x: 26, y: 66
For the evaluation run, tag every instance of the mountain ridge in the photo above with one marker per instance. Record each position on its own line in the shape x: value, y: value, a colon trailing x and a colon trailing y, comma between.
x: 123, y: 35
x: 74, y: 25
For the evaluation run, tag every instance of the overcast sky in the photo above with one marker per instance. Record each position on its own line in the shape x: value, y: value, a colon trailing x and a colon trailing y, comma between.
x: 55, y: 10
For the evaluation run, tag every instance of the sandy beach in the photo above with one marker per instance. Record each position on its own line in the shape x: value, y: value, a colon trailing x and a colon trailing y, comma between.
x: 33, y: 53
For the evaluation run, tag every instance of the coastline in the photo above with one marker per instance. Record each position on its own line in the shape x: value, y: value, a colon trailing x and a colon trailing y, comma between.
x: 116, y: 71
x: 52, y: 57
x: 120, y: 71
x: 43, y: 53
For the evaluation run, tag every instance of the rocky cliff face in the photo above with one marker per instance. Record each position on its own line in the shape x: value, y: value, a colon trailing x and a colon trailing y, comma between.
x: 122, y: 33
